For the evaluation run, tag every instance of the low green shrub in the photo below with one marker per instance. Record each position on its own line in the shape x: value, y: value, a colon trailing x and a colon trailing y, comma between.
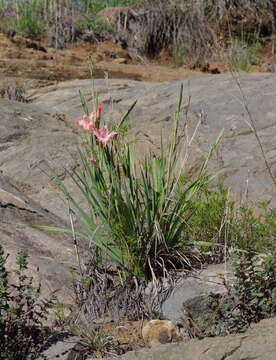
x: 218, y: 228
x: 22, y: 312
x: 101, y: 29
x: 2, y: 8
x: 30, y: 22
x: 255, y: 232
x: 208, y: 229
x: 95, y: 6
x: 243, y: 55
x: 251, y: 298
x: 179, y: 54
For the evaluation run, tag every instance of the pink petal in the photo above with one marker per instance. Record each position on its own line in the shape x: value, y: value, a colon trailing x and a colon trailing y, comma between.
x: 103, y: 135
x: 86, y: 122
x: 91, y: 159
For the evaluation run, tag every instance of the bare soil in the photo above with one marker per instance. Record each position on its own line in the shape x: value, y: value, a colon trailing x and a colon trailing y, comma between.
x: 30, y: 64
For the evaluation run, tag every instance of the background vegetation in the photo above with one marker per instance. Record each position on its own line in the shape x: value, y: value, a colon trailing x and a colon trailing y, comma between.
x: 192, y: 32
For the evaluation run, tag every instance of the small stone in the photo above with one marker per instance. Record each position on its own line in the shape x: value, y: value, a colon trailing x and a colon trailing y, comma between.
x: 120, y: 61
x: 157, y: 332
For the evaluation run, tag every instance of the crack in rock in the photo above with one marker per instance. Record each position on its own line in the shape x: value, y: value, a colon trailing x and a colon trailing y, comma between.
x: 229, y: 353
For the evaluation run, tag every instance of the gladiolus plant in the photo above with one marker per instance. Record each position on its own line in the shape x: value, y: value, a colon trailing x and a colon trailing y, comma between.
x: 138, y: 212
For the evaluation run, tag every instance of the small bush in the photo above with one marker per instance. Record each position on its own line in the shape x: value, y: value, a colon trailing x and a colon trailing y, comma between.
x: 51, y: 19
x: 99, y: 29
x: 22, y: 313
x: 30, y: 22
x: 175, y: 26
x: 216, y: 228
x: 251, y: 299
x: 2, y: 8
x: 60, y: 18
x: 242, y: 55
x: 209, y: 224
x: 254, y: 232
x: 199, y: 29
x: 98, y: 5
x: 179, y: 54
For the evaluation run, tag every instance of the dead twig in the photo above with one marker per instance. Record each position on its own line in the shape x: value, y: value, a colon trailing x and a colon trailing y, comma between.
x: 253, y: 127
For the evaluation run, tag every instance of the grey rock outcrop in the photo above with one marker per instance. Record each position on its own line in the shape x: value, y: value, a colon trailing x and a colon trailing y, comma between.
x: 62, y: 348
x: 41, y: 135
x: 193, y: 289
x: 28, y: 136
x: 50, y: 256
x: 215, y: 101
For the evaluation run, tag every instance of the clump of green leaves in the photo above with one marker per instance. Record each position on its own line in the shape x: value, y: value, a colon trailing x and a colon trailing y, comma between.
x: 100, y: 29
x: 254, y: 231
x: 251, y: 298
x: 95, y: 341
x: 98, y: 5
x: 208, y: 227
x: 243, y: 55
x: 21, y: 312
x: 216, y: 227
x: 138, y: 211
x: 29, y: 22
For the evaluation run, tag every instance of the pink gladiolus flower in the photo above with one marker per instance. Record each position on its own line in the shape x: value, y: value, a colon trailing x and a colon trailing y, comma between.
x: 103, y: 135
x: 87, y: 122
x: 91, y: 159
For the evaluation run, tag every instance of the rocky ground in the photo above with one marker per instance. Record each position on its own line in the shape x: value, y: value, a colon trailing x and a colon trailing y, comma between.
x: 258, y: 343
x: 41, y: 134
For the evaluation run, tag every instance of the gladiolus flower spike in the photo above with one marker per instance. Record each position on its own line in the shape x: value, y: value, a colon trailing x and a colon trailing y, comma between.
x: 99, y: 111
x: 103, y: 135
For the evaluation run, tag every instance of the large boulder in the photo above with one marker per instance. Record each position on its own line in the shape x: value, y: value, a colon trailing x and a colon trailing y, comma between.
x: 50, y: 255
x: 28, y: 137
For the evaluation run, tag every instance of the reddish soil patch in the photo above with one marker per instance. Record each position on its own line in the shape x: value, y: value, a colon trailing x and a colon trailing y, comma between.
x: 30, y: 63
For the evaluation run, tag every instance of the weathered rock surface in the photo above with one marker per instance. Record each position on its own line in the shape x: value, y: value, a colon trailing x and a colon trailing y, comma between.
x: 51, y: 255
x: 42, y: 135
x: 192, y: 290
x: 258, y: 343
x: 28, y: 136
x: 32, y: 142
x: 62, y: 348
x: 214, y: 100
